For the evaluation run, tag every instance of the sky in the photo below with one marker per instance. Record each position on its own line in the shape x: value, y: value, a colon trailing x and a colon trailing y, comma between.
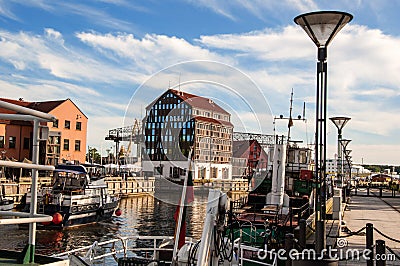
x: 113, y: 57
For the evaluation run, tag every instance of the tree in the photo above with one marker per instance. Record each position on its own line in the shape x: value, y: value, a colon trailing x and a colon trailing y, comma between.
x: 93, y: 156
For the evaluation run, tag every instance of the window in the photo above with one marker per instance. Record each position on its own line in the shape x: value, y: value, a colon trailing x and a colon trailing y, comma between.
x: 12, y: 142
x: 55, y: 123
x: 67, y: 124
x: 77, y: 145
x: 1, y: 141
x: 26, y: 143
x: 66, y: 144
x: 79, y: 126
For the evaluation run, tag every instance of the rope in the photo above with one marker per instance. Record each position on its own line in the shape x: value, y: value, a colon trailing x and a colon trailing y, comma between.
x: 296, y: 241
x: 309, y: 227
x: 391, y: 251
x: 386, y: 236
x: 349, y: 235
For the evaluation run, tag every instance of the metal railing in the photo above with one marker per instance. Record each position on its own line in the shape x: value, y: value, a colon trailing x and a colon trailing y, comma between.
x: 127, y: 246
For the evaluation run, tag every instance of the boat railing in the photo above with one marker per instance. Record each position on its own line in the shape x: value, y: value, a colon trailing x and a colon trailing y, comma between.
x: 245, y: 253
x: 127, y: 246
x: 297, y: 213
x: 252, y: 235
x: 122, y: 246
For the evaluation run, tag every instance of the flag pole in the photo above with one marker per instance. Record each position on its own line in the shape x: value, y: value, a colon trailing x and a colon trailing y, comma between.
x: 181, y: 206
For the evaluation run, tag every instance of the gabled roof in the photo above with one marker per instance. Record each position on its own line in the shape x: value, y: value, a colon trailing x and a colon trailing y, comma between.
x: 198, y: 101
x: 16, y: 102
x: 46, y: 106
x: 194, y: 101
x: 240, y: 147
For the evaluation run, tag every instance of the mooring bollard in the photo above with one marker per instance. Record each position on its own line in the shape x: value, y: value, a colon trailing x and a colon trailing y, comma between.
x: 302, y: 234
x: 370, y: 243
x: 320, y: 236
x: 380, y: 253
x: 289, y: 241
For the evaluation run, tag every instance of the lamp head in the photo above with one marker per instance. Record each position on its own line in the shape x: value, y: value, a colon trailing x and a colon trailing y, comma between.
x: 322, y: 26
x: 340, y: 121
x: 347, y: 152
x: 345, y: 142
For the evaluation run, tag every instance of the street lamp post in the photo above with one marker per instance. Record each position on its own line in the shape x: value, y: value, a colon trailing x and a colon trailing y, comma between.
x: 348, y: 160
x: 321, y: 27
x: 343, y: 144
x: 340, y: 122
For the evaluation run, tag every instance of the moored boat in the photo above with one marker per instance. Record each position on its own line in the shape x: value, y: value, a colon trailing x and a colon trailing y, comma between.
x: 6, y: 204
x: 78, y: 196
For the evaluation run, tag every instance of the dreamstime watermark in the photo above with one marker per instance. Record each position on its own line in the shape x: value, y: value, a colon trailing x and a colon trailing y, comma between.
x: 338, y: 253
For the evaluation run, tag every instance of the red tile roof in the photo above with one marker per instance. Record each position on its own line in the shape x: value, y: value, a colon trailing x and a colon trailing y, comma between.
x: 198, y: 101
x: 17, y: 102
x: 45, y: 107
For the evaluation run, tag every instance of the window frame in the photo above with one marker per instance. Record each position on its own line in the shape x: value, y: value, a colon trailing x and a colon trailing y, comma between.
x: 67, y: 124
x: 78, y: 144
x: 12, y: 140
x: 80, y: 126
x: 66, y: 144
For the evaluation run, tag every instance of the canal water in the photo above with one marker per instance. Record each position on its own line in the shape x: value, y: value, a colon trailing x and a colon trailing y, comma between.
x: 143, y: 215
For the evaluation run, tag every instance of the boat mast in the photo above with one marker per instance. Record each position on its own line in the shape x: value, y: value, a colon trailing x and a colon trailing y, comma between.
x: 290, y: 123
x: 182, y: 204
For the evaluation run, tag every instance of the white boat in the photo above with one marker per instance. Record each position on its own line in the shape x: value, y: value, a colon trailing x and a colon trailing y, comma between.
x: 161, y: 250
x: 6, y: 204
x: 78, y: 196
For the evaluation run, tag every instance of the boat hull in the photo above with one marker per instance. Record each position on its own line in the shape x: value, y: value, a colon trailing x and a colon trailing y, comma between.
x: 7, y: 206
x: 77, y: 215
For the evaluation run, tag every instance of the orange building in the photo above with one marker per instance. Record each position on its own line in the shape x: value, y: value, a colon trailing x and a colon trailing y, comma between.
x: 66, y: 140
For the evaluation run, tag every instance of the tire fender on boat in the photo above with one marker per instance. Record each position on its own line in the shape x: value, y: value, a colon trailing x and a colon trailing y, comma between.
x: 100, y: 212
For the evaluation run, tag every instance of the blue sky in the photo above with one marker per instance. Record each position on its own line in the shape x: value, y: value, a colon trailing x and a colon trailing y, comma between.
x: 104, y: 54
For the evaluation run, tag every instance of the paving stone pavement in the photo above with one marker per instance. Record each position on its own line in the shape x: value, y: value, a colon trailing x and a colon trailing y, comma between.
x: 383, y: 213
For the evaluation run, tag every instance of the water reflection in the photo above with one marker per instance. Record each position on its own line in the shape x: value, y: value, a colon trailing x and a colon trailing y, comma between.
x: 145, y: 215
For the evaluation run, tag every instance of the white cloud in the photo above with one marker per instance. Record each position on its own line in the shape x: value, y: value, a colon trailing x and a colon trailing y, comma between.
x: 278, y: 44
x: 262, y: 9
x: 55, y: 35
x: 359, y: 70
x: 376, y: 154
x: 5, y: 10
x: 26, y: 51
x: 149, y: 54
x: 380, y: 92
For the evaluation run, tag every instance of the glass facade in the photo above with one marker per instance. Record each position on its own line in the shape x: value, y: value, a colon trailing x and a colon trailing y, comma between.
x: 169, y: 129
x: 177, y: 121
